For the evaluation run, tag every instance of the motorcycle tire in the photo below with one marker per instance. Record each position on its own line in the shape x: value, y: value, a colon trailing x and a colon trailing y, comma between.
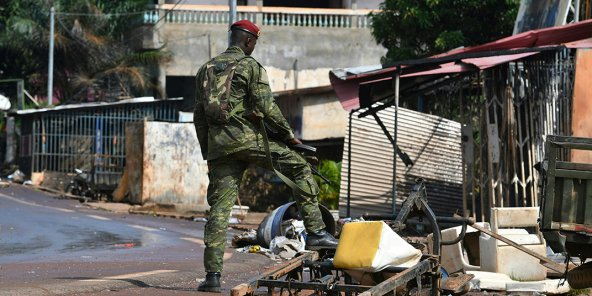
x: 581, y: 276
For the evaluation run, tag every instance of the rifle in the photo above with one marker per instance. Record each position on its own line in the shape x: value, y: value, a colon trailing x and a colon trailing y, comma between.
x: 309, y: 153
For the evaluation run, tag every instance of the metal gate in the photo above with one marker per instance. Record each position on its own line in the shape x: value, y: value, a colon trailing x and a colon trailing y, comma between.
x: 524, y: 102
x: 86, y: 136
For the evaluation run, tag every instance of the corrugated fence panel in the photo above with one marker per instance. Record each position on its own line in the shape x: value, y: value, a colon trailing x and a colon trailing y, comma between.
x: 434, y: 145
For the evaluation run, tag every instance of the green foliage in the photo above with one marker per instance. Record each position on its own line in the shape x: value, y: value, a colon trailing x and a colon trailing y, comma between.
x: 262, y: 191
x: 418, y: 28
x: 329, y: 192
x: 91, y: 55
x: 259, y: 191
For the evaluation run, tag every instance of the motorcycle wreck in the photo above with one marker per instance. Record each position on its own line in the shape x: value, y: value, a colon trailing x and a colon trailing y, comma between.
x: 83, y: 186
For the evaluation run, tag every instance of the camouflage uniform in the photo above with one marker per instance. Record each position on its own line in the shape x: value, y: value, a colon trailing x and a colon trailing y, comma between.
x: 231, y: 147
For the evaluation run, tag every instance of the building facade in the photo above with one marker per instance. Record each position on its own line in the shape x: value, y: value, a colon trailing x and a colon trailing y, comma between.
x: 300, y: 42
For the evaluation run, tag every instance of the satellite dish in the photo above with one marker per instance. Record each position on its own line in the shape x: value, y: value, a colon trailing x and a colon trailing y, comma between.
x: 4, y: 103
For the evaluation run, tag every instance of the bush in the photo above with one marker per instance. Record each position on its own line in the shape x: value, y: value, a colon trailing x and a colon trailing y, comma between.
x: 329, y: 192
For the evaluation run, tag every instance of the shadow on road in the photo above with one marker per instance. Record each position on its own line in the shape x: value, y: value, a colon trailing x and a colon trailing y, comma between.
x: 137, y: 283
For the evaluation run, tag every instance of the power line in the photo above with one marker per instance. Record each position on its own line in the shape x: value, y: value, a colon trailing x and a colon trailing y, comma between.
x: 101, y: 14
x: 115, y: 14
x: 168, y: 11
x: 159, y: 19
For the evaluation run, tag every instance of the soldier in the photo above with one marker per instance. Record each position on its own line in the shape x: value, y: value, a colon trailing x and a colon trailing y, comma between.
x: 233, y: 97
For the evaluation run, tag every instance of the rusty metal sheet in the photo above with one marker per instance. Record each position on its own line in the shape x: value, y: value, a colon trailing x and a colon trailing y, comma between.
x: 582, y: 103
x: 457, y: 284
x: 133, y: 160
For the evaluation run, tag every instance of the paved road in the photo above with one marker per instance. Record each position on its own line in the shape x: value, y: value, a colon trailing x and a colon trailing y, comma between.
x: 51, y: 246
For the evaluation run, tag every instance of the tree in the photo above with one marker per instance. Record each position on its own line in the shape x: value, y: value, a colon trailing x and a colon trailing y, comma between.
x: 92, y: 59
x: 418, y: 28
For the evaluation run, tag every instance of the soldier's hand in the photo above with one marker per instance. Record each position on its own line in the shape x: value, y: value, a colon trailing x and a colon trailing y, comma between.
x: 294, y: 141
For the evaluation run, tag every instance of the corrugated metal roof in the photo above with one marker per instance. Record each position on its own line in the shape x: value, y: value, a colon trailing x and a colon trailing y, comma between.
x: 90, y: 105
x: 434, y: 145
x: 481, y: 56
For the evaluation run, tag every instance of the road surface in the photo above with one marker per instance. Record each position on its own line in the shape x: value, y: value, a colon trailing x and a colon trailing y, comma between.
x: 52, y: 246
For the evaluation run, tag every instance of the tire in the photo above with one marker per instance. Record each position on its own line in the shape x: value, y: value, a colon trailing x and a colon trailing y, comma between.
x: 581, y: 276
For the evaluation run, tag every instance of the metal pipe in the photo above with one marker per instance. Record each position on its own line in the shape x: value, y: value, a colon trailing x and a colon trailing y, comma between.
x: 231, y: 15
x: 50, y: 66
x: 576, y: 11
x: 349, y: 146
x: 394, y: 202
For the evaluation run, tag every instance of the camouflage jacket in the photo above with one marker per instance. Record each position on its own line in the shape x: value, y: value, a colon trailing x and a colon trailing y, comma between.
x: 250, y: 85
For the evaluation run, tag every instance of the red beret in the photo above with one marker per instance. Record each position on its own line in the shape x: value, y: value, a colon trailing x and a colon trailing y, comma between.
x: 247, y: 26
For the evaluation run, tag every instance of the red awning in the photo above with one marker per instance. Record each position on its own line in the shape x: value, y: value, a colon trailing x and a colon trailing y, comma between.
x: 584, y: 43
x: 576, y: 35
x: 348, y: 90
x: 488, y: 62
x: 534, y: 38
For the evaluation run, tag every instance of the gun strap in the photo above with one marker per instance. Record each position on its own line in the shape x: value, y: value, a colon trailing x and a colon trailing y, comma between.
x: 283, y: 177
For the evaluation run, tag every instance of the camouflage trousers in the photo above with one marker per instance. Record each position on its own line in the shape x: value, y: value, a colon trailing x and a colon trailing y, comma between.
x: 225, y: 176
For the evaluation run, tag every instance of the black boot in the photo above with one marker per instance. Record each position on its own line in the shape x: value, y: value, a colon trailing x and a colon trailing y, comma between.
x: 211, y: 284
x: 321, y: 238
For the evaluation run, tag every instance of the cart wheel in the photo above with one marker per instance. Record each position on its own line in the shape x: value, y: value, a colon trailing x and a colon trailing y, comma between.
x: 581, y: 276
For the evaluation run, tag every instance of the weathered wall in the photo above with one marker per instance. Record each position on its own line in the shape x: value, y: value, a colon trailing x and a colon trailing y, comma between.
x: 315, y: 116
x: 172, y: 168
x: 295, y: 57
x: 134, y: 153
x: 582, y: 104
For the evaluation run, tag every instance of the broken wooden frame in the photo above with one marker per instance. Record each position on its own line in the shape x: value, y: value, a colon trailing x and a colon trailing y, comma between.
x: 566, y: 204
x: 324, y: 277
x: 329, y: 282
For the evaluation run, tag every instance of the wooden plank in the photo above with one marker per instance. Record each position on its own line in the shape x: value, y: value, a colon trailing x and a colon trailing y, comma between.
x: 569, y: 139
x: 588, y: 203
x: 574, y: 145
x: 571, y: 174
x: 543, y: 260
x: 574, y: 166
x: 551, y: 157
x: 569, y: 202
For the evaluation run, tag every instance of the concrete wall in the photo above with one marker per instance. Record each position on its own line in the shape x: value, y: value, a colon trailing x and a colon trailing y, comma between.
x: 362, y: 4
x: 314, y: 116
x: 165, y: 165
x: 295, y: 57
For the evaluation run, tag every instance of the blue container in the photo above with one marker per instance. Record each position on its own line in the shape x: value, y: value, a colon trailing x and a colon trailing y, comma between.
x: 271, y: 226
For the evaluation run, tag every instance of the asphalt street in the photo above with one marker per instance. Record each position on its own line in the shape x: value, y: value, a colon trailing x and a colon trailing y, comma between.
x: 53, y: 246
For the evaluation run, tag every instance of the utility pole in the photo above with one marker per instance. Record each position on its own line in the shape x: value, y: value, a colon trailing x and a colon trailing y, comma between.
x: 50, y: 66
x: 231, y: 15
